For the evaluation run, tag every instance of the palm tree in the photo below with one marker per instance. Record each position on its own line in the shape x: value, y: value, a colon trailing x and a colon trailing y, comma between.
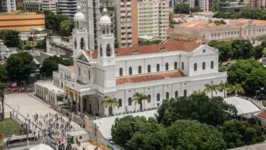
x: 110, y: 102
x: 2, y: 96
x: 223, y: 87
x: 139, y: 97
x: 236, y: 89
x: 198, y: 92
x: 210, y: 88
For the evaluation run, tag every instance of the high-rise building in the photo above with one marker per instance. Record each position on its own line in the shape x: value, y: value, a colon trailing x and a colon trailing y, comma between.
x: 49, y: 5
x: 7, y: 5
x: 153, y: 18
x: 127, y: 22
x: 67, y: 7
x: 33, y: 5
x: 204, y: 5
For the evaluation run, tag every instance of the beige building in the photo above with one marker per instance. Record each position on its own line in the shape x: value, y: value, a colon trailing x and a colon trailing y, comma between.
x: 49, y: 5
x: 153, y: 18
x: 127, y: 22
x: 233, y: 29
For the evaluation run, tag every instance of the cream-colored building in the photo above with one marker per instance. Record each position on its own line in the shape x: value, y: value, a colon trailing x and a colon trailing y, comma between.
x: 233, y: 29
x: 49, y: 5
x: 153, y: 18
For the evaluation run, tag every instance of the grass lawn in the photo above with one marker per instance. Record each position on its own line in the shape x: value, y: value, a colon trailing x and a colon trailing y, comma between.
x: 11, y: 128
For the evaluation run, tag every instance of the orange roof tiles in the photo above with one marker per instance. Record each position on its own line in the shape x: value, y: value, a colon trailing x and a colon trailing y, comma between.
x: 262, y: 115
x: 71, y: 67
x: 255, y: 22
x: 205, y: 24
x: 148, y: 77
x: 169, y: 45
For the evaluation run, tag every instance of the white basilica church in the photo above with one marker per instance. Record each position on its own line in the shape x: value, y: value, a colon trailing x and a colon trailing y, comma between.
x: 169, y: 69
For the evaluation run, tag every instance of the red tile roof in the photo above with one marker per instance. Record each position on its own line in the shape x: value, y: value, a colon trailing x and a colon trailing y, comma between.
x: 262, y: 115
x: 148, y: 77
x: 167, y: 46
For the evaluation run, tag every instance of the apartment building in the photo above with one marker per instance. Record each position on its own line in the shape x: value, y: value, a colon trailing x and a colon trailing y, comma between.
x: 7, y: 5
x: 67, y: 7
x: 204, y: 5
x: 127, y: 22
x: 33, y: 5
x: 258, y: 3
x: 49, y: 5
x: 153, y: 18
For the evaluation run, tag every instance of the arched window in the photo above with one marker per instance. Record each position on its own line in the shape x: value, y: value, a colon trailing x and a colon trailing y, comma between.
x: 120, y: 102
x: 89, y: 74
x: 149, y: 68
x: 108, y: 50
x: 176, y: 94
x: 129, y: 101
x: 101, y: 50
x: 158, y: 97
x: 166, y: 66
x: 139, y: 68
x: 167, y: 95
x: 203, y: 66
x: 120, y: 71
x: 82, y: 44
x: 195, y: 67
x: 130, y: 71
x: 182, y: 65
x: 212, y: 64
x: 158, y: 67
x: 149, y: 100
x: 175, y: 65
x: 79, y: 71
x: 75, y: 43
x: 185, y: 92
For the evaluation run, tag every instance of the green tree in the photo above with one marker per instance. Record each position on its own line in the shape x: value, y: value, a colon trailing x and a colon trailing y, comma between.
x: 51, y: 64
x: 3, y: 73
x: 237, y: 133
x: 258, y: 51
x: 139, y: 98
x: 213, y: 111
x: 3, y: 86
x: 236, y: 89
x: 110, y: 102
x: 10, y: 37
x: 41, y: 44
x: 225, y: 50
x: 66, y: 27
x: 242, y: 49
x: 210, y: 88
x: 20, y: 66
x: 223, y: 87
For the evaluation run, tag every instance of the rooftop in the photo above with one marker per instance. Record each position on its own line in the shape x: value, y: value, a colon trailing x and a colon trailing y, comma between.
x: 148, y: 77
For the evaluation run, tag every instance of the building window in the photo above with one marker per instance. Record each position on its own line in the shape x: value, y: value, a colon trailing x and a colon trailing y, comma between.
x: 158, y: 97
x: 175, y: 65
x: 129, y: 101
x: 89, y: 74
x: 82, y: 44
x: 130, y: 71
x: 120, y: 102
x: 79, y: 71
x: 166, y: 66
x: 195, y: 67
x: 158, y: 67
x: 121, y: 72
x: 176, y: 94
x: 167, y: 95
x: 101, y: 50
x: 203, y: 66
x: 149, y: 98
x: 212, y: 64
x: 185, y: 92
x: 108, y: 50
x: 139, y: 68
x: 182, y: 65
x: 149, y: 68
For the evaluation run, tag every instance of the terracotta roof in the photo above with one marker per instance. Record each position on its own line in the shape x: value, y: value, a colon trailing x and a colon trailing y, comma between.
x: 148, y: 77
x: 254, y: 22
x: 205, y: 24
x: 169, y: 45
x: 262, y: 115
x: 71, y: 67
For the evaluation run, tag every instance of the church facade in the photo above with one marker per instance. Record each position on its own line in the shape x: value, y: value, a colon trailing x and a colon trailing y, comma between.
x: 169, y: 69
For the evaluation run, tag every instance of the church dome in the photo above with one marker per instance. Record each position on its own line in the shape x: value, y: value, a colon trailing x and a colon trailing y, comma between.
x: 105, y: 20
x: 79, y: 15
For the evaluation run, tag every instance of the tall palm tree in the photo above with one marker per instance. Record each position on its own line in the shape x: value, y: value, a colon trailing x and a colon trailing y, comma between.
x: 210, y: 88
x: 110, y: 102
x: 223, y: 87
x: 236, y: 89
x: 3, y: 86
x: 139, y: 97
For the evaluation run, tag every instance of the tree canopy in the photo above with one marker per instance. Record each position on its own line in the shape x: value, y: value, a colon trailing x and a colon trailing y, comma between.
x: 20, y: 65
x: 183, y: 8
x: 3, y: 73
x: 10, y: 37
x: 213, y: 111
x: 51, y: 64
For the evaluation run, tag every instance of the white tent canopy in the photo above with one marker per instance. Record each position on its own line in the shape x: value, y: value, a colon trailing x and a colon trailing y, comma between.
x: 244, y: 107
x: 41, y: 147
